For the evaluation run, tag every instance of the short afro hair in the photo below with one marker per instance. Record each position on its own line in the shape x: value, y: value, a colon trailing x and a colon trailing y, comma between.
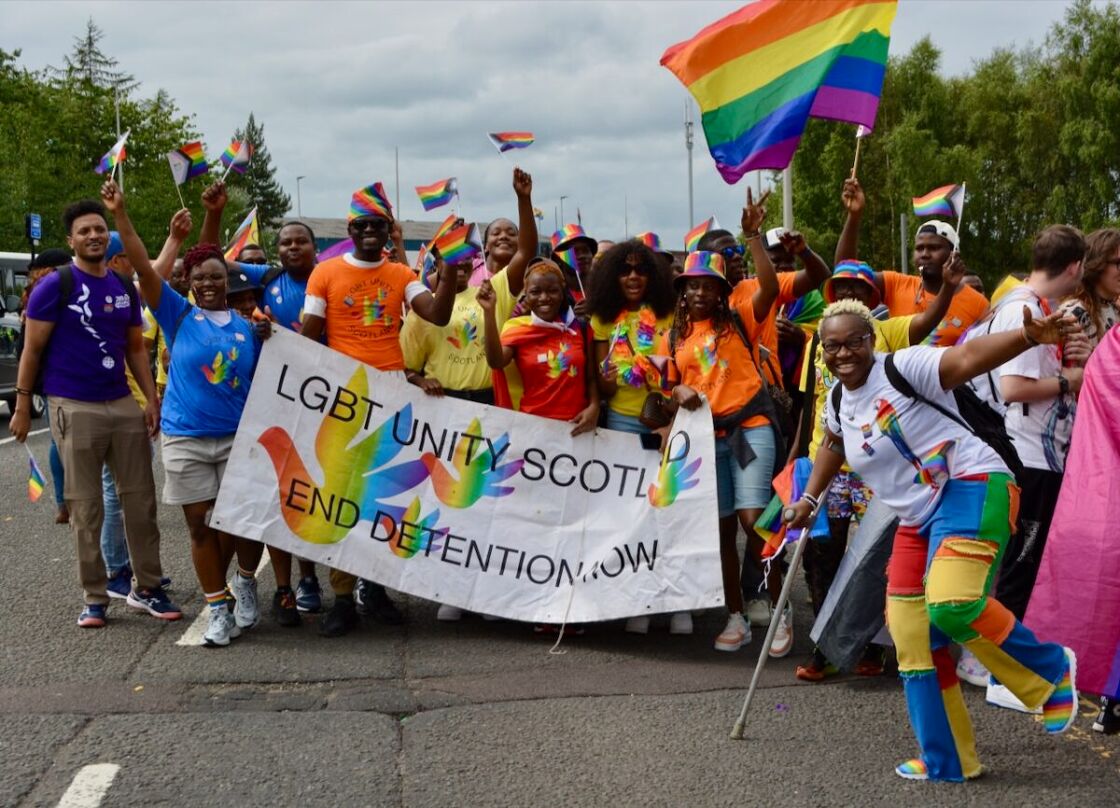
x: 83, y: 207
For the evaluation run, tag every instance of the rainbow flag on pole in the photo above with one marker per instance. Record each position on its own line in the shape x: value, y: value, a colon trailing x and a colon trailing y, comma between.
x: 761, y: 72
x: 438, y: 193
x: 693, y: 236
x: 237, y: 156
x: 461, y: 244
x: 35, y: 480
x: 948, y: 200
x: 113, y: 156
x: 247, y: 233
x: 188, y: 161
x: 789, y: 485
x: 504, y: 141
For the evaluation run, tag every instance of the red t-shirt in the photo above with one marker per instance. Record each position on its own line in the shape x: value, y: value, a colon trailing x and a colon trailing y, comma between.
x: 552, y: 361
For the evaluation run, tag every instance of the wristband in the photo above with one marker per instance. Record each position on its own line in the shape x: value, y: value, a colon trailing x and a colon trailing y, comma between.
x: 1063, y: 385
x: 812, y: 500
x: 20, y: 391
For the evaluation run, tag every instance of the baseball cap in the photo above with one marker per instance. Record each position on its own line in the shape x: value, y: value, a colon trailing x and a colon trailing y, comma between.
x: 940, y: 228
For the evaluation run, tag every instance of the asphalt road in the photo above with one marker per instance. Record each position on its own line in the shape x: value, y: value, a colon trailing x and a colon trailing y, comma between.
x: 468, y: 714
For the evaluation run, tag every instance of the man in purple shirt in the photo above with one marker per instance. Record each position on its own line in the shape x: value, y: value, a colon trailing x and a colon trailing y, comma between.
x: 83, y: 326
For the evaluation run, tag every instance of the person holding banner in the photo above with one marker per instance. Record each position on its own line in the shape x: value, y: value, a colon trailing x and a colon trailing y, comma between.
x: 213, y: 356
x: 956, y: 500
x: 357, y: 299
x: 712, y: 355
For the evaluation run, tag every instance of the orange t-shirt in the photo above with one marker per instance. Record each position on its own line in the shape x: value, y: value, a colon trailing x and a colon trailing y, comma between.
x: 721, y: 369
x: 904, y: 294
x: 766, y: 334
x: 363, y: 305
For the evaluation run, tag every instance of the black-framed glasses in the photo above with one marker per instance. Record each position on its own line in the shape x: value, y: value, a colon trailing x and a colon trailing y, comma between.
x: 370, y: 224
x: 738, y: 249
x: 852, y: 344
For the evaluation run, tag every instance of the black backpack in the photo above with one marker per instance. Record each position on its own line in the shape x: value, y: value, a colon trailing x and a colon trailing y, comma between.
x: 976, y: 415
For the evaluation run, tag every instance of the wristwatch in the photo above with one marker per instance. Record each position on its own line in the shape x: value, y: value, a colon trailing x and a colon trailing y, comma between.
x: 1063, y: 385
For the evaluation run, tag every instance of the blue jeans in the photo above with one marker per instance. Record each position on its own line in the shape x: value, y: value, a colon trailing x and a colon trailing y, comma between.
x: 114, y: 549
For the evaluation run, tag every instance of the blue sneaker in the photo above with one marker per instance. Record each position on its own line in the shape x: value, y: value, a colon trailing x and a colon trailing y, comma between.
x: 92, y: 616
x: 309, y: 596
x: 155, y: 602
x: 120, y: 584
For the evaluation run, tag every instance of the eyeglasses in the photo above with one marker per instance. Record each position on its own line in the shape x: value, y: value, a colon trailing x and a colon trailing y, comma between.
x: 370, y: 224
x: 738, y: 249
x: 852, y: 344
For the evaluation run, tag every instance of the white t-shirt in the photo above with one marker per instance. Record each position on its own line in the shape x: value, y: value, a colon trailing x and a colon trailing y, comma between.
x: 905, y: 450
x: 1042, y: 430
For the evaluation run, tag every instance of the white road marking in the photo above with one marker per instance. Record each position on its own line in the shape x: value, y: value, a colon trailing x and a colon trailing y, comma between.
x: 29, y: 434
x: 197, y: 629
x: 89, y: 786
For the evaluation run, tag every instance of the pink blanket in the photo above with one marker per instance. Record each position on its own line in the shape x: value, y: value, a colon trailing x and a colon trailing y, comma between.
x: 1076, y: 600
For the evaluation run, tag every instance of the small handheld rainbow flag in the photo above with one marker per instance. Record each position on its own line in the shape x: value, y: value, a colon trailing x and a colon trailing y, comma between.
x: 437, y: 194
x: 789, y: 485
x: 188, y: 161
x: 35, y: 479
x: 693, y: 236
x: 236, y: 157
x: 115, y: 155
x: 504, y: 141
x: 948, y: 200
x: 247, y: 233
x: 460, y: 244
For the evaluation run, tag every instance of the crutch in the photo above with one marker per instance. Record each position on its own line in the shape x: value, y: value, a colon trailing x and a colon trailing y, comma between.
x: 783, y: 598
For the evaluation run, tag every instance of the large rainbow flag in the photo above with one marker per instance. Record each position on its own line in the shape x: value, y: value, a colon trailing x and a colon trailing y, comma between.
x: 248, y: 232
x: 761, y: 72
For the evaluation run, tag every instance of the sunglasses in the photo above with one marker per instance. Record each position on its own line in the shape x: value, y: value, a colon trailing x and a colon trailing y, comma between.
x: 362, y: 225
x: 738, y: 249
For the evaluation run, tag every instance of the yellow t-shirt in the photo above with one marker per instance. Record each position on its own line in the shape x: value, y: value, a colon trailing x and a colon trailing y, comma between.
x: 454, y: 354
x: 153, y: 332
x: 645, y: 333
x: 890, y: 336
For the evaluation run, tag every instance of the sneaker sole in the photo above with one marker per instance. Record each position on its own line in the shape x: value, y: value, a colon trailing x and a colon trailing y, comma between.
x: 1072, y: 658
x: 972, y: 679
x: 234, y: 633
x: 91, y: 623
x: 729, y: 647
x: 142, y: 607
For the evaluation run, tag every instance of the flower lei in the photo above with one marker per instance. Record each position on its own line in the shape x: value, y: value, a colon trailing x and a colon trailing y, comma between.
x: 632, y: 346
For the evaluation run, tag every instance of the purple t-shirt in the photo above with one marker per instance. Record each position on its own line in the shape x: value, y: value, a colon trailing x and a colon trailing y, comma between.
x: 85, y: 358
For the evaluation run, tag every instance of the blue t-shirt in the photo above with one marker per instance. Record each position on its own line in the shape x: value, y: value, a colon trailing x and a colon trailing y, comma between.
x: 211, y: 367
x: 85, y: 358
x: 283, y: 299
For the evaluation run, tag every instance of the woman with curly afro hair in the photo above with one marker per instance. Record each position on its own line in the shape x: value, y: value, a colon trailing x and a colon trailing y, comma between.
x: 213, y: 357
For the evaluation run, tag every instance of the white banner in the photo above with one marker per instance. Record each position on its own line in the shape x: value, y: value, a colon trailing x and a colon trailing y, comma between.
x: 478, y: 507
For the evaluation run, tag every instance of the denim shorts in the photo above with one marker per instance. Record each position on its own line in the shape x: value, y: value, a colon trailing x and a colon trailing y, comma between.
x: 625, y: 423
x: 738, y: 488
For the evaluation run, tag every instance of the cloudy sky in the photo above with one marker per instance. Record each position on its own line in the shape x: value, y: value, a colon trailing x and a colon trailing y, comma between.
x: 338, y: 85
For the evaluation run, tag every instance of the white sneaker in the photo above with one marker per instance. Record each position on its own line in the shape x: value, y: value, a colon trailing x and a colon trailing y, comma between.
x: 680, y: 623
x: 782, y: 643
x: 449, y: 614
x: 223, y: 628
x: 735, y: 635
x: 638, y: 625
x: 1000, y: 696
x: 758, y: 612
x: 972, y: 670
x: 245, y: 611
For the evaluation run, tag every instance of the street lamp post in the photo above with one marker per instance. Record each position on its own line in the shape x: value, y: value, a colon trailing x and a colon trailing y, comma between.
x: 299, y: 198
x: 562, y: 219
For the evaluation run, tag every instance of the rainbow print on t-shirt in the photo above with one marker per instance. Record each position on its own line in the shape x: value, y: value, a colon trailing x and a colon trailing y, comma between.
x: 560, y: 362
x: 223, y: 368
x: 373, y: 312
x: 706, y: 356
x: 464, y: 335
x: 933, y: 470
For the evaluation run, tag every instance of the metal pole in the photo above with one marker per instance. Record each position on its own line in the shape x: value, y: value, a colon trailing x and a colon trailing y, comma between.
x: 626, y: 216
x: 903, y: 243
x: 688, y: 146
x: 397, y: 163
x: 117, y: 106
x: 787, y: 198
x: 299, y: 197
x: 562, y: 210
x: 555, y: 220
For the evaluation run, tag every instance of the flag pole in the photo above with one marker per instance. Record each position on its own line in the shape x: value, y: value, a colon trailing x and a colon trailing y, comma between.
x: 960, y: 216
x: 179, y: 191
x: 855, y: 164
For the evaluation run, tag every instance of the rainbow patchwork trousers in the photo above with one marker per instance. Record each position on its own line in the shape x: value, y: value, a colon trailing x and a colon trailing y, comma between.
x: 938, y: 580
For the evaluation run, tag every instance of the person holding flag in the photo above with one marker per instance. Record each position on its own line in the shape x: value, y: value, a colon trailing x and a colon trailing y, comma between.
x: 357, y: 300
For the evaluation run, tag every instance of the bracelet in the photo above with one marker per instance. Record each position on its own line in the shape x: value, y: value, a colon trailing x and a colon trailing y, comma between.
x: 752, y: 236
x: 20, y: 391
x: 812, y: 500
x: 1031, y: 341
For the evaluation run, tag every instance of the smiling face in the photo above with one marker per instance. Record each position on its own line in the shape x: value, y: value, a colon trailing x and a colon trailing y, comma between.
x: 297, y: 250
x: 847, y: 345
x: 544, y: 293
x: 501, y: 242
x: 209, y: 282
x: 702, y: 297
x: 179, y: 280
x: 88, y: 237
x: 370, y: 235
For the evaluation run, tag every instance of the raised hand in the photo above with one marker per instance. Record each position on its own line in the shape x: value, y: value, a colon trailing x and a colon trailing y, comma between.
x: 852, y: 196
x: 487, y: 297
x: 181, y: 225
x: 794, y: 242
x: 522, y: 183
x: 215, y: 198
x: 954, y: 270
x: 112, y: 197
x: 754, y: 214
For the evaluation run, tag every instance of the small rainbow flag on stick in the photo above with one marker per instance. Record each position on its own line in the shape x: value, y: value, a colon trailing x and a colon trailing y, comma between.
x: 789, y: 485
x: 693, y: 236
x: 35, y: 479
x: 187, y: 161
x: 461, y: 244
x: 948, y: 200
x: 247, y: 233
x: 504, y: 141
x: 236, y: 156
x: 437, y: 194
x: 108, y: 164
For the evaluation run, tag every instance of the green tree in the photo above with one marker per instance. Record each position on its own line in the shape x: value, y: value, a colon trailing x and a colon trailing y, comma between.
x: 259, y: 180
x: 88, y: 63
